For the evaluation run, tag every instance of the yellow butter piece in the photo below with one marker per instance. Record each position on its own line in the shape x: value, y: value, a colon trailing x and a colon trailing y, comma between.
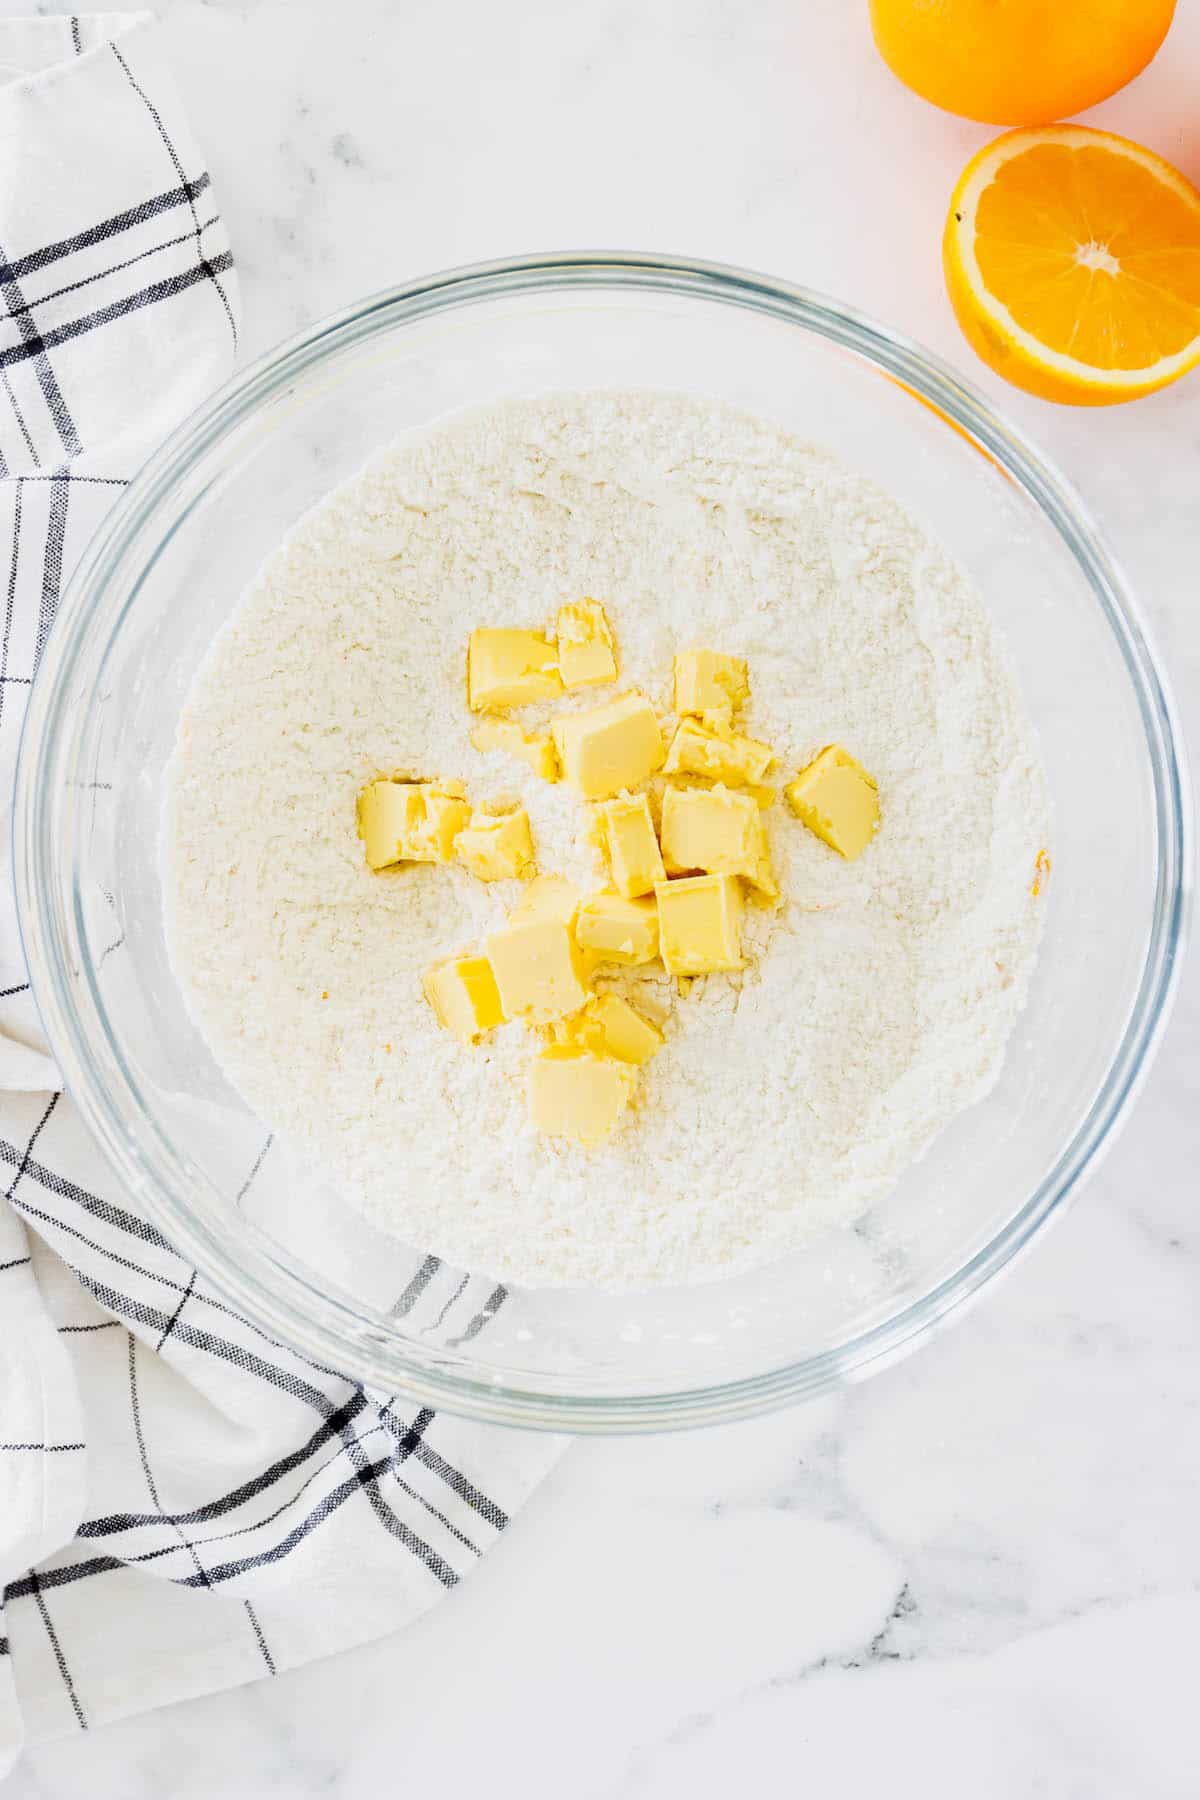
x: 510, y: 668
x: 410, y: 821
x: 547, y: 897
x: 700, y: 924
x: 710, y: 747
x: 610, y: 928
x: 586, y: 653
x: 763, y: 797
x: 463, y: 993
x: 576, y: 1095
x: 614, y: 746
x: 497, y: 846
x: 609, y: 1026
x: 540, y: 970
x: 384, y: 811
x: 631, y: 845
x: 707, y: 681
x: 837, y: 799
x: 535, y: 749
x: 761, y: 878
x: 624, y: 1032
x: 714, y: 830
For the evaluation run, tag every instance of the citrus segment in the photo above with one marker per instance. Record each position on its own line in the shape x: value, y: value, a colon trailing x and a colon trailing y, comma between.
x: 1072, y: 260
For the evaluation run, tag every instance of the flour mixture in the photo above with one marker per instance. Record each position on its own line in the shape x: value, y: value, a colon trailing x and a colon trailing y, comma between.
x: 877, y: 997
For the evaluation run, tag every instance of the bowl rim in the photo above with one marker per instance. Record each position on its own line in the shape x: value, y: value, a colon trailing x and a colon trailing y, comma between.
x: 303, y: 1317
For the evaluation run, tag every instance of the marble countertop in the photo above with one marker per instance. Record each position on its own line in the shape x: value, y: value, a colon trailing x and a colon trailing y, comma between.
x: 980, y: 1572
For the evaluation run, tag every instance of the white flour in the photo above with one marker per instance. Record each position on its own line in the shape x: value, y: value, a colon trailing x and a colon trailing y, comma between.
x: 878, y: 1000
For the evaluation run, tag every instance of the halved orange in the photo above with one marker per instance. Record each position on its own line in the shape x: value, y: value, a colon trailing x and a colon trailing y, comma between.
x: 1072, y: 260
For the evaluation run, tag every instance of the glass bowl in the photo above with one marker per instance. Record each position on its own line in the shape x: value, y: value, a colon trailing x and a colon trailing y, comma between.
x: 163, y: 574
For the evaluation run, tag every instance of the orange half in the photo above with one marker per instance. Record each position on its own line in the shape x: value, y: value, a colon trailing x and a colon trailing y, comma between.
x: 1072, y: 261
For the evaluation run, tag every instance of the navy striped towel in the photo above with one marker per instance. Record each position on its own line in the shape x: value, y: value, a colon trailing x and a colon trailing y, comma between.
x: 184, y: 1504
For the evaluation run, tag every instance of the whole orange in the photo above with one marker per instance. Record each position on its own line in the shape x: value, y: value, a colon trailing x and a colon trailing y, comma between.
x: 1018, y: 62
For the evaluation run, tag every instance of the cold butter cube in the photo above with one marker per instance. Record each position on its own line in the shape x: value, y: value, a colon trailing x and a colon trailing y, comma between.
x: 610, y: 928
x: 463, y: 993
x: 540, y: 970
x: 510, y: 668
x: 837, y: 799
x: 614, y: 746
x: 707, y: 681
x: 609, y: 1026
x: 631, y: 845
x: 576, y: 1095
x: 535, y: 749
x: 410, y: 821
x: 547, y: 897
x: 384, y: 811
x: 711, y: 748
x: 586, y: 655
x: 497, y: 846
x: 699, y: 924
x: 762, y: 877
x: 712, y: 829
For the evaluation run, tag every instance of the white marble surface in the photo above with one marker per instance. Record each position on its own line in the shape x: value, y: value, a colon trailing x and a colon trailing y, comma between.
x: 980, y: 1573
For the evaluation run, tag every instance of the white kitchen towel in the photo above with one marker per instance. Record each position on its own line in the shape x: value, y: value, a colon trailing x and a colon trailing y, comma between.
x: 184, y: 1503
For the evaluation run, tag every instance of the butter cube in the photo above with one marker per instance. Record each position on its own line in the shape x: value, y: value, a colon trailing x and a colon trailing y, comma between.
x: 410, y: 821
x: 711, y: 829
x: 627, y: 832
x: 707, y: 681
x: 510, y: 668
x: 712, y: 748
x: 535, y: 749
x: 384, y: 811
x: 497, y: 846
x: 586, y: 655
x: 762, y: 877
x: 463, y: 993
x: 610, y: 928
x: 836, y: 798
x: 609, y: 1026
x: 576, y: 1095
x: 699, y: 924
x: 540, y: 970
x: 547, y: 897
x: 614, y: 746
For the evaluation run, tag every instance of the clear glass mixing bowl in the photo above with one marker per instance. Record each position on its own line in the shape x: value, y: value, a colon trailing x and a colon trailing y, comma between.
x: 165, y: 571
